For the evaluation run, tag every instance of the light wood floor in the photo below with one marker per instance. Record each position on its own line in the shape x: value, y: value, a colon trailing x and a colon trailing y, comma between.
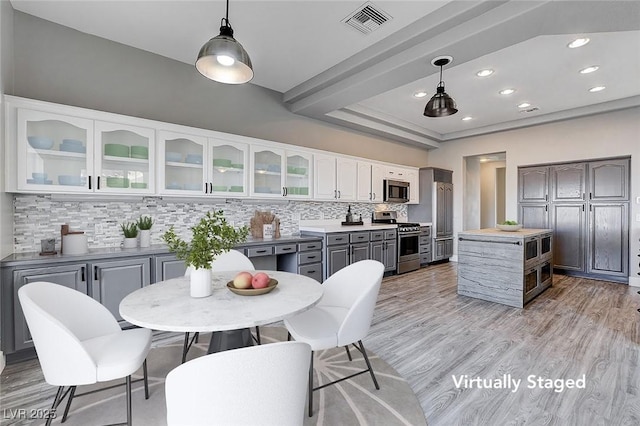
x: 578, y: 327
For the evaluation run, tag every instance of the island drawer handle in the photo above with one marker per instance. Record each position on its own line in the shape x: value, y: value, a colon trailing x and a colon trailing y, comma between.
x: 517, y: 243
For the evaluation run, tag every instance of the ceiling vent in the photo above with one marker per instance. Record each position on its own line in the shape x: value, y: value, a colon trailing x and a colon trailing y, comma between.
x: 367, y: 18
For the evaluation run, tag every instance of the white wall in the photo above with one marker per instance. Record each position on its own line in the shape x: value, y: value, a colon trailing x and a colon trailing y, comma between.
x: 472, y: 199
x: 6, y: 80
x: 600, y: 136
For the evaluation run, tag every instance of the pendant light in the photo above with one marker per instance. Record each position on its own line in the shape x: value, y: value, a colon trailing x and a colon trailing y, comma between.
x: 441, y: 104
x: 223, y: 59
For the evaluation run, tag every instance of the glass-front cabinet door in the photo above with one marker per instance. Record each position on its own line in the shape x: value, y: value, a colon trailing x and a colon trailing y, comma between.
x: 267, y: 176
x: 297, y: 177
x: 228, y: 161
x: 124, y: 158
x: 182, y: 168
x: 55, y: 152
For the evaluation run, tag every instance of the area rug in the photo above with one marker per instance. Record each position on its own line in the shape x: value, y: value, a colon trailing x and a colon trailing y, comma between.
x: 351, y: 402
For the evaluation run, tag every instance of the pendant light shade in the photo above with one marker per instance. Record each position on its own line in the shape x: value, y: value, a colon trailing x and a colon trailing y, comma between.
x: 223, y: 59
x: 441, y: 104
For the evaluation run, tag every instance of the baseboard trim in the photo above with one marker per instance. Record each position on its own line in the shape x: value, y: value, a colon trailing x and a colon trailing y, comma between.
x: 634, y: 281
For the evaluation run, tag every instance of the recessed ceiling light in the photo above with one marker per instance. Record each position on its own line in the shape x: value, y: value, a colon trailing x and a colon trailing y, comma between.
x: 524, y: 105
x: 467, y: 118
x: 484, y: 73
x: 589, y: 70
x: 579, y: 42
x: 507, y: 91
x: 420, y: 94
x: 597, y: 89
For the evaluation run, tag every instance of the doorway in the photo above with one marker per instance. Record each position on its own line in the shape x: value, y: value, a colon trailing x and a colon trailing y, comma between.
x: 484, y: 191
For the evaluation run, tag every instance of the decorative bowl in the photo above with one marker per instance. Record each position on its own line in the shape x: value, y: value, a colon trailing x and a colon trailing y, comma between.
x: 117, y: 182
x: 116, y: 150
x: 193, y: 159
x: 70, y: 180
x: 174, y: 157
x: 509, y: 228
x: 221, y: 162
x: 252, y: 291
x: 72, y: 142
x: 73, y: 148
x: 40, y: 142
x: 39, y: 182
x: 39, y: 176
x: 140, y: 152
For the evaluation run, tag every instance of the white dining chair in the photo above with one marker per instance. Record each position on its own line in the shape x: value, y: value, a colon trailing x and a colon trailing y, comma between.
x: 79, y: 342
x: 258, y: 385
x: 342, y: 317
x: 231, y: 260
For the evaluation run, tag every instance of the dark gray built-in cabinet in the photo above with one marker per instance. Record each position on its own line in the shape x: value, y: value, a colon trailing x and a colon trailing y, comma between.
x: 383, y: 248
x: 587, y: 206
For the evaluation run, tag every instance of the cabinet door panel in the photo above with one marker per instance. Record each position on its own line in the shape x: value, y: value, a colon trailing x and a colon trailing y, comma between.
x: 347, y: 178
x: 534, y: 216
x: 533, y: 184
x: 569, y: 236
x: 448, y: 206
x: 359, y: 252
x: 112, y: 281
x: 391, y: 253
x: 337, y: 258
x: 609, y: 180
x: 364, y: 182
x: 608, y: 239
x: 568, y: 182
x: 72, y: 276
x: 324, y: 178
x: 377, y: 251
x: 168, y: 267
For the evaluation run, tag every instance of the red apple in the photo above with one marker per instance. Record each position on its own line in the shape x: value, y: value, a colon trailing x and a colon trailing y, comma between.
x: 243, y: 280
x: 260, y: 280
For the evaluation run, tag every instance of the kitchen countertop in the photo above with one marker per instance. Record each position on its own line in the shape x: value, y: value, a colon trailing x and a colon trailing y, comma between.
x: 495, y: 232
x: 332, y: 227
x: 31, y: 258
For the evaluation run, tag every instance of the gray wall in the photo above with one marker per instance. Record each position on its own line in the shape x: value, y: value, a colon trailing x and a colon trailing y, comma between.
x: 489, y: 194
x: 58, y: 64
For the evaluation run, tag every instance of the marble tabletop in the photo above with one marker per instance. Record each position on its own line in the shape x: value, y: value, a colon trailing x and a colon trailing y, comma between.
x: 168, y: 306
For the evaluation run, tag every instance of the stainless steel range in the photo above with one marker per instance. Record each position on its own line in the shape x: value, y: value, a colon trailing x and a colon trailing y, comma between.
x: 408, y: 240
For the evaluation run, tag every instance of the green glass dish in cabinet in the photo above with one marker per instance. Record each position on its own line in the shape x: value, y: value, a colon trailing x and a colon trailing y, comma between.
x: 140, y: 152
x: 237, y: 166
x: 219, y: 188
x: 236, y: 188
x: 221, y: 162
x: 116, y: 150
x: 138, y: 185
x: 303, y: 191
x: 117, y: 182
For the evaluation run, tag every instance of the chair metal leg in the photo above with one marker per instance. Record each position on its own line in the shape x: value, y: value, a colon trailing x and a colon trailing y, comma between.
x: 288, y: 336
x: 128, y: 400
x: 366, y: 359
x: 187, y: 344
x: 66, y: 409
x: 258, y: 335
x: 146, y: 379
x: 55, y: 404
x: 311, y: 386
x: 348, y: 353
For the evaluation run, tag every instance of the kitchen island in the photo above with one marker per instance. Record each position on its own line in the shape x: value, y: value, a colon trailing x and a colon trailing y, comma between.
x: 505, y: 267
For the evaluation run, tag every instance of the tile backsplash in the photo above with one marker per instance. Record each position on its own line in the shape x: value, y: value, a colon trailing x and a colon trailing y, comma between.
x: 37, y: 217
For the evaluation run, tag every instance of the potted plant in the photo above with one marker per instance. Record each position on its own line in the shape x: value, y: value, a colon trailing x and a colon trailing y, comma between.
x: 212, y: 236
x: 144, y: 225
x: 130, y: 231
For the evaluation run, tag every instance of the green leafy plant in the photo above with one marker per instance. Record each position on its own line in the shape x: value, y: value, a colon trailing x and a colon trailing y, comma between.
x: 130, y: 230
x: 509, y: 222
x: 145, y: 222
x: 211, y: 236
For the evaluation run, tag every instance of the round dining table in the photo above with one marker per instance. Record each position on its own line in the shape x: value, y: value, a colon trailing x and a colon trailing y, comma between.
x: 168, y: 306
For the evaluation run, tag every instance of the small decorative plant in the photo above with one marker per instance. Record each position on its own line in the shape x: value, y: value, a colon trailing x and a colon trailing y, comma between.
x: 211, y: 236
x: 145, y: 223
x: 130, y: 229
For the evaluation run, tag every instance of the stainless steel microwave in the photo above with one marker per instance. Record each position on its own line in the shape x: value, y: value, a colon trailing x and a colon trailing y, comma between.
x: 395, y: 191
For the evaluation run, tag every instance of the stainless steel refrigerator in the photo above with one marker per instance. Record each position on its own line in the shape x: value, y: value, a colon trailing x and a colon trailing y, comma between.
x: 436, y: 206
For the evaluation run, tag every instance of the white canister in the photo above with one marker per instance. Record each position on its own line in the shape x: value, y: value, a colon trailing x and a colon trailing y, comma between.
x: 145, y: 237
x: 200, y: 280
x: 130, y: 243
x: 74, y: 244
x: 267, y: 231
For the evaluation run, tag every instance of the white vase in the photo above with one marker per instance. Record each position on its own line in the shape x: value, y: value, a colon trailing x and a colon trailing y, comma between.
x: 201, y: 282
x: 130, y: 243
x: 145, y: 237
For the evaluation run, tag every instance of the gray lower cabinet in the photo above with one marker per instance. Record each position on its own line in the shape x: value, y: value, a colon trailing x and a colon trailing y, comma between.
x: 344, y: 249
x: 608, y: 247
x: 534, y: 216
x: 384, y: 248
x: 167, y: 266
x: 113, y: 280
x: 568, y: 224
x: 72, y: 276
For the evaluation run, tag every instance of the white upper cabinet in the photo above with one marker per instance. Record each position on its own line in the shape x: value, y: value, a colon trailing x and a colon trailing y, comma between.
x: 280, y: 173
x: 54, y: 153
x: 124, y: 158
x: 181, y: 166
x: 65, y: 149
x: 335, y: 178
x: 229, y: 162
